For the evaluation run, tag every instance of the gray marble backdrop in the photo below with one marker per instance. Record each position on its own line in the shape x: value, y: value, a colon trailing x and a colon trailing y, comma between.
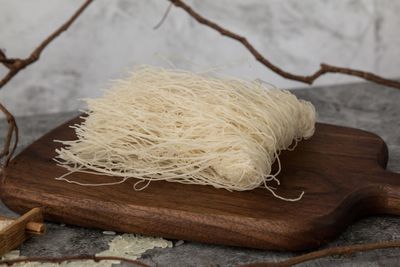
x: 112, y: 37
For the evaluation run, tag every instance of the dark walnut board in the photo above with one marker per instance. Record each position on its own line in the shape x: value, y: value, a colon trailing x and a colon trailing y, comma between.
x: 341, y: 170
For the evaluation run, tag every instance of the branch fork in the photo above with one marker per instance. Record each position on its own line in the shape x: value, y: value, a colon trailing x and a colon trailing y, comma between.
x: 15, y: 65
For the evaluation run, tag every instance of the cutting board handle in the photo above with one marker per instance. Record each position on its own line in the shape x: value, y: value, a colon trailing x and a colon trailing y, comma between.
x: 389, y: 183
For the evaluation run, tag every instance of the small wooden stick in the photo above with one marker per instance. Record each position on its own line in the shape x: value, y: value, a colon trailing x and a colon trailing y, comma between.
x: 35, y: 228
x: 14, y: 234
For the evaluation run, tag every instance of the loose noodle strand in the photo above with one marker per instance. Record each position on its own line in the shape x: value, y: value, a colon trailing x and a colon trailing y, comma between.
x: 178, y: 126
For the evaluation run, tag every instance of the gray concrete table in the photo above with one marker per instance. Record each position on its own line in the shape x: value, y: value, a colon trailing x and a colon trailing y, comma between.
x: 367, y: 106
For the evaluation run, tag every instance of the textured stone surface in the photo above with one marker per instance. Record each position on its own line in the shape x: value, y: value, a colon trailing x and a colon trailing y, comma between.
x: 366, y: 106
x: 114, y: 36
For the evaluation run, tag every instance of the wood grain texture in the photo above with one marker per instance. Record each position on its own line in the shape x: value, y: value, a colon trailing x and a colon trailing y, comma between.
x: 342, y: 171
x: 16, y: 233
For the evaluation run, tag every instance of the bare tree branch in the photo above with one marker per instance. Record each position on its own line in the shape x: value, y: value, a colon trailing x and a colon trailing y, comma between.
x: 9, y: 149
x: 158, y: 25
x: 71, y: 258
x: 324, y: 68
x: 15, y: 65
x: 342, y: 250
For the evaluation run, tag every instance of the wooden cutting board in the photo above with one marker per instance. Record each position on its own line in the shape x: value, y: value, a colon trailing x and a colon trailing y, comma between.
x: 341, y: 170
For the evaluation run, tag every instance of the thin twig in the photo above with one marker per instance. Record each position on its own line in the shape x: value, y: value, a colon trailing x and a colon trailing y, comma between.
x: 71, y: 258
x: 342, y: 250
x: 158, y: 25
x: 9, y: 149
x: 15, y: 65
x: 324, y: 68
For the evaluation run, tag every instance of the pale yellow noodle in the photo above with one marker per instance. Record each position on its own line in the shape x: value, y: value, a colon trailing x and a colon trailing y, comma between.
x: 178, y: 126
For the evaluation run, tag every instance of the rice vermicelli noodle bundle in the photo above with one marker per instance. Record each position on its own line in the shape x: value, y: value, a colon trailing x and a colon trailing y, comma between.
x: 178, y: 126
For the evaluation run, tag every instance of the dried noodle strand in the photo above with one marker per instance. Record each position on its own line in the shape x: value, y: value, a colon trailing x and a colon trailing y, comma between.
x: 190, y: 128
